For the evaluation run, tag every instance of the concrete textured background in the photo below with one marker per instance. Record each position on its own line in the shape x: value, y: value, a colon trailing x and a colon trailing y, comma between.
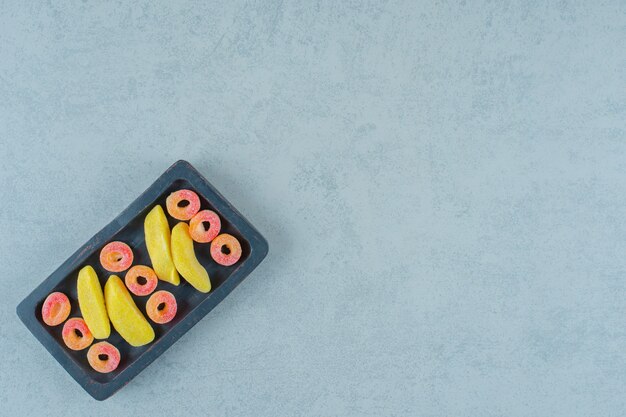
x: 442, y: 185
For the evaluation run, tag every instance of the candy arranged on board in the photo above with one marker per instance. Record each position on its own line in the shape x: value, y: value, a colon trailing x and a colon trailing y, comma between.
x: 172, y: 253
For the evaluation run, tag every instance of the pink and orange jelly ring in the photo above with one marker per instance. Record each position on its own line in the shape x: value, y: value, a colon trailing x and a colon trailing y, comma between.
x: 141, y: 280
x: 204, y: 226
x: 225, y: 249
x: 161, y: 307
x: 116, y: 257
x: 103, y: 357
x: 76, y: 334
x: 182, y: 204
x: 56, y: 308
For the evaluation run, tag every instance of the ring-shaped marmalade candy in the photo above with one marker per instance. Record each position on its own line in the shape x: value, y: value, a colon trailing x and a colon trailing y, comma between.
x: 198, y: 226
x: 103, y: 357
x: 56, y: 308
x: 161, y: 307
x: 76, y: 334
x: 116, y: 256
x: 183, y: 204
x: 141, y: 280
x: 225, y: 249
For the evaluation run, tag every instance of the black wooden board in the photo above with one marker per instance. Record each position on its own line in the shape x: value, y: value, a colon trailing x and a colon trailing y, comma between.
x: 192, y: 305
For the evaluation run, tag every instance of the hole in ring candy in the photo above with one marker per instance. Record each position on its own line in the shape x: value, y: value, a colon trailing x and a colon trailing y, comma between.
x: 141, y: 280
x: 116, y: 256
x: 103, y: 357
x: 76, y: 334
x: 225, y: 249
x: 204, y: 226
x: 161, y: 307
x: 56, y: 308
x: 182, y: 204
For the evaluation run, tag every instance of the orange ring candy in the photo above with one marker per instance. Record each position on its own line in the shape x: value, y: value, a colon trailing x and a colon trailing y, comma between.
x: 161, y: 307
x: 198, y: 229
x: 103, y: 357
x: 76, y: 334
x: 116, y: 256
x: 56, y: 308
x: 141, y: 280
x: 225, y: 249
x: 182, y: 204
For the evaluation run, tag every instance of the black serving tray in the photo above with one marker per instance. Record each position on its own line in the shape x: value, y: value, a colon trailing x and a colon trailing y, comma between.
x: 192, y: 305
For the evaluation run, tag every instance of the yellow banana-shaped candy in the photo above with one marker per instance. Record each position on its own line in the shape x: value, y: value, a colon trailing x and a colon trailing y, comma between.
x: 157, y: 233
x: 127, y: 319
x: 185, y: 259
x: 91, y: 303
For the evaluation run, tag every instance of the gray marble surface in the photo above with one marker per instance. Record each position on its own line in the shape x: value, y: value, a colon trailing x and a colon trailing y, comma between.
x: 442, y: 185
